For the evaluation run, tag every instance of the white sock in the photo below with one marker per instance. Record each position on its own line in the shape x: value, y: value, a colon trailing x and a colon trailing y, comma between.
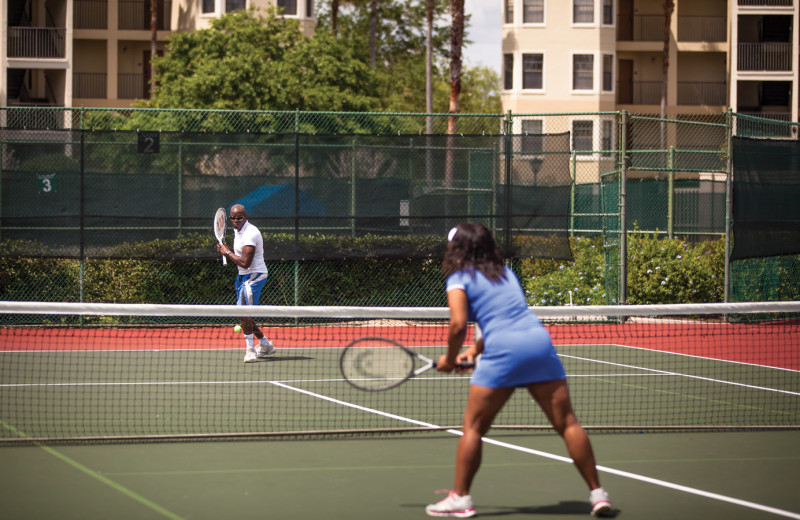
x: 248, y: 340
x: 264, y: 341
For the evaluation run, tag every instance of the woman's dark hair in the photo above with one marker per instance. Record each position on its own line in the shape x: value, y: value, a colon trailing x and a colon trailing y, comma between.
x: 472, y: 248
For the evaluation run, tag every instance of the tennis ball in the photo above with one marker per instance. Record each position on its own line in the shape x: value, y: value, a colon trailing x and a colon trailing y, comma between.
x: 237, y: 328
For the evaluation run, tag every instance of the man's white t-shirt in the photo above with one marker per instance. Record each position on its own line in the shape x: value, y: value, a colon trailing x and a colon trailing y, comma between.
x: 249, y: 235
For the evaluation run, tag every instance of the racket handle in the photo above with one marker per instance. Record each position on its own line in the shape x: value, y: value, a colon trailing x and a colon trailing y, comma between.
x: 463, y: 364
x: 224, y: 260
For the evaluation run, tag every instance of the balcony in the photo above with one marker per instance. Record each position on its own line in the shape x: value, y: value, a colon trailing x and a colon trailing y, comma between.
x: 771, y: 56
x: 89, y: 85
x: 702, y: 93
x: 131, y: 86
x: 90, y: 14
x: 702, y: 29
x: 771, y: 3
x: 135, y: 15
x: 641, y: 28
x: 639, y: 93
x: 36, y: 42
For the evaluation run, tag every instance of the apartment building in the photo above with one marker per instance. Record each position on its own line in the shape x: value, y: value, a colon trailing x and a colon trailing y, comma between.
x: 600, y: 55
x: 96, y: 53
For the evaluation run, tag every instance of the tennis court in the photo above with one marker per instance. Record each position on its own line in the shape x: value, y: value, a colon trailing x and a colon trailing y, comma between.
x: 702, y: 390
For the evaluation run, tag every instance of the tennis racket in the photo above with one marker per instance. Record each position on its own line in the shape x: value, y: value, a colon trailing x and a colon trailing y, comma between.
x: 376, y: 364
x: 220, y: 221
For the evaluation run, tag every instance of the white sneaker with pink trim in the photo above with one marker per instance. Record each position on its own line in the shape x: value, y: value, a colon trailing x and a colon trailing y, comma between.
x: 452, y: 506
x: 601, y: 505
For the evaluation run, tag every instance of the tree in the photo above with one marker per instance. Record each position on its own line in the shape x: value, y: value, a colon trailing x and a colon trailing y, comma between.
x: 456, y: 44
x: 669, y: 8
x: 246, y: 61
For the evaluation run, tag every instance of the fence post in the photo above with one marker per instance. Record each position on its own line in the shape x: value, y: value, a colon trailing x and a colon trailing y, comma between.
x: 623, y: 217
x: 81, y: 235
x: 728, y: 200
x: 573, y: 189
x: 671, y: 192
x: 507, y: 214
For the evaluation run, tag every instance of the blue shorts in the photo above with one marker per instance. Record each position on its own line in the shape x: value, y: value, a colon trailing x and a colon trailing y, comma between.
x: 513, y: 358
x: 248, y: 288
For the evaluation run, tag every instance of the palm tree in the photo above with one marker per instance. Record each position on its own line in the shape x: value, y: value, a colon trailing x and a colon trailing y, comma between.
x: 669, y: 8
x: 456, y: 43
x: 335, y: 16
x: 153, y: 41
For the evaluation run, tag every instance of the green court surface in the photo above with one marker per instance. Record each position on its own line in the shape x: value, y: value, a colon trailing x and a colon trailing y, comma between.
x: 732, y: 475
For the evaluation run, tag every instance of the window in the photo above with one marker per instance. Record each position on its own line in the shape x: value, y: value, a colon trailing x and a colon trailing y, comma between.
x: 608, y: 72
x: 608, y: 12
x: 582, y: 135
x: 235, y: 5
x: 582, y: 11
x: 583, y: 72
x: 533, y: 11
x: 310, y: 9
x: 509, y: 11
x: 508, y: 71
x: 532, y: 140
x: 289, y: 7
x: 209, y: 6
x: 607, y: 126
x: 532, y: 65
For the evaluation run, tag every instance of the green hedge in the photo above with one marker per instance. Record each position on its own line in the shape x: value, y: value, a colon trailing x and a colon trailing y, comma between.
x: 659, y: 271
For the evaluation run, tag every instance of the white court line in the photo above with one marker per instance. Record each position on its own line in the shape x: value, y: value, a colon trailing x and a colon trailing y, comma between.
x: 604, y: 469
x: 688, y: 376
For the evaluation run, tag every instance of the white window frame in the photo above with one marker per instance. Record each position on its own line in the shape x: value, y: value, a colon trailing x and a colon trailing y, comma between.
x: 522, y: 72
x: 214, y: 14
x: 595, y: 67
x: 613, y: 72
x: 513, y: 13
x: 597, y: 136
x: 613, y: 14
x: 219, y: 8
x: 532, y: 24
x: 300, y: 5
x: 513, y: 72
x: 518, y: 131
x: 595, y: 21
x: 613, y: 136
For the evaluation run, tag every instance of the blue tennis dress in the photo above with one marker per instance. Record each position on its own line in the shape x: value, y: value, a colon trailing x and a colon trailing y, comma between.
x: 517, y: 348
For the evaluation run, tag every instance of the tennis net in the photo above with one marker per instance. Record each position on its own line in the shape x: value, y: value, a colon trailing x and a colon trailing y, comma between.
x: 71, y: 371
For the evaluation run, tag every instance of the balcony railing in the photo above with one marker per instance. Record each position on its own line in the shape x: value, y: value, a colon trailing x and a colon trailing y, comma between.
x: 777, y: 116
x: 130, y: 86
x: 641, y: 28
x: 772, y: 56
x: 89, y: 85
x: 36, y: 42
x: 90, y: 14
x: 702, y: 29
x: 766, y: 2
x: 702, y: 93
x: 639, y: 93
x: 135, y: 15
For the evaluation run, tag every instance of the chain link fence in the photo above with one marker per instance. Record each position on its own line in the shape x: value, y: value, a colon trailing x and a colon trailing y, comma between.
x: 536, y: 179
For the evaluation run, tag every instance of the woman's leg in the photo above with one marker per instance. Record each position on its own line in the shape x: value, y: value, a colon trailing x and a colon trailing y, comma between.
x: 553, y: 397
x: 482, y: 407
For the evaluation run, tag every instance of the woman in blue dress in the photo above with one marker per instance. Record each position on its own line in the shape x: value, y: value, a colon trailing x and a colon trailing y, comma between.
x: 516, y: 351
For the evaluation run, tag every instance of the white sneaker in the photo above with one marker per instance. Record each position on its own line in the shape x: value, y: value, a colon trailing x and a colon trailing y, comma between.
x: 601, y: 505
x: 452, y: 506
x: 265, y: 349
x: 250, y: 356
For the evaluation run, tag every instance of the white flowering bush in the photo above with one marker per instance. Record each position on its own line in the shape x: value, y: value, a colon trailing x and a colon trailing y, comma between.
x: 664, y: 270
x: 660, y: 270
